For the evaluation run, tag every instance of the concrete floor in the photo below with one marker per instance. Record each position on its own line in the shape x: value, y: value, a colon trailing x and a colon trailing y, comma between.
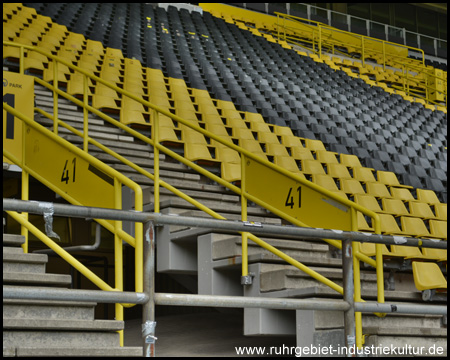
x: 200, y: 334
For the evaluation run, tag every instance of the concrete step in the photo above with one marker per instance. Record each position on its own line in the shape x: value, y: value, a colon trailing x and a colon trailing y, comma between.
x: 61, y: 324
x: 113, y: 145
x: 274, y: 277
x: 408, y: 339
x: 24, y: 278
x: 77, y: 352
x: 27, y: 263
x: 393, y: 322
x: 51, y: 339
x: 13, y: 240
x: 49, y: 310
x: 226, y: 247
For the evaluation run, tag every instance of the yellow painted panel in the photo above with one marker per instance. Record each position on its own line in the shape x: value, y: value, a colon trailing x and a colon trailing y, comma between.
x: 295, y: 199
x: 68, y: 171
x: 18, y: 92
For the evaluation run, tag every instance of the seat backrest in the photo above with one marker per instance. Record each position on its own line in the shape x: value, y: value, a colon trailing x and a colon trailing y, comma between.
x: 414, y: 226
x: 395, y: 206
x: 428, y: 196
x: 438, y: 228
x: 368, y: 201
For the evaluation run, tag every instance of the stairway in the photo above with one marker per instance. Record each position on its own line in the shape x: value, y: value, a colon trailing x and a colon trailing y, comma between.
x: 216, y: 260
x: 51, y: 328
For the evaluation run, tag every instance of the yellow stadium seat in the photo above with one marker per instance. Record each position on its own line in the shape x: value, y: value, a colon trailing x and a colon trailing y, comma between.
x: 63, y: 73
x: 390, y: 179
x: 292, y: 141
x: 415, y: 227
x: 253, y: 146
x: 301, y: 153
x: 75, y: 84
x: 378, y: 190
x: 160, y: 100
x: 402, y: 194
x: 338, y: 171
x: 192, y: 136
x: 362, y: 223
x: 351, y: 186
x: 369, y: 202
x: 113, y: 53
x: 389, y: 226
x: 438, y: 229
x: 195, y: 152
x: 93, y: 46
x: 325, y: 181
x: 351, y: 161
x: 230, y: 171
x: 243, y: 134
x: 225, y: 154
x: 441, y: 211
x: 314, y: 145
x: 277, y: 150
x: 427, y: 275
x: 363, y: 174
x: 428, y: 196
x: 269, y: 138
x: 105, y: 102
x: 218, y: 129
x: 288, y: 163
x: 369, y: 249
x: 282, y: 130
x: 421, y: 210
x: 435, y: 254
x: 327, y: 157
x: 407, y: 252
x: 310, y: 167
x: 167, y: 134
x: 395, y: 207
x: 254, y: 117
x: 35, y: 62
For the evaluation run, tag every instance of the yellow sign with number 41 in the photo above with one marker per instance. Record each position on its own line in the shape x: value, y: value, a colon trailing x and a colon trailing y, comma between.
x: 295, y: 198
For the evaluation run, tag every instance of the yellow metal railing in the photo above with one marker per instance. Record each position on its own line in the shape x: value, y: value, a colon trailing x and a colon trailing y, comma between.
x: 158, y: 147
x: 116, y: 228
x: 293, y: 28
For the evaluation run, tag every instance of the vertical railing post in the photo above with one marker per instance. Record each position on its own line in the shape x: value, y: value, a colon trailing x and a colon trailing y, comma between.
x: 349, y: 315
x: 21, y: 60
x: 245, y: 278
x: 25, y: 188
x: 320, y: 41
x: 118, y: 253
x: 155, y: 138
x: 85, y: 114
x: 55, y: 97
x: 356, y: 282
x: 148, y: 311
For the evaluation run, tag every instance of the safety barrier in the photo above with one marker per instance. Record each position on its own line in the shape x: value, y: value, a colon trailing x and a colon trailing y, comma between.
x: 428, y: 83
x: 149, y: 299
x: 246, y: 191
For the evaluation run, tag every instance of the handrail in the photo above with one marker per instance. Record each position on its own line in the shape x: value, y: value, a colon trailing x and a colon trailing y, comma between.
x: 354, y: 35
x: 244, y: 155
x: 148, y: 295
x: 116, y: 229
x: 363, y: 47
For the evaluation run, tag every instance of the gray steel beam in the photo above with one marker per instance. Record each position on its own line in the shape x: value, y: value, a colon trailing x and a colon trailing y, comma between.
x: 214, y: 224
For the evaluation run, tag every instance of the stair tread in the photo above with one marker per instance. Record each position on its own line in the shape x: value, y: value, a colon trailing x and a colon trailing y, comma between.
x: 61, y: 324
x: 65, y: 351
x: 408, y: 331
x: 24, y: 258
x: 13, y: 239
x: 47, y: 302
x: 34, y: 278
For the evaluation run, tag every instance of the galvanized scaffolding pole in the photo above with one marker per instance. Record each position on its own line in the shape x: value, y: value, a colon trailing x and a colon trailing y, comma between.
x: 149, y: 298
